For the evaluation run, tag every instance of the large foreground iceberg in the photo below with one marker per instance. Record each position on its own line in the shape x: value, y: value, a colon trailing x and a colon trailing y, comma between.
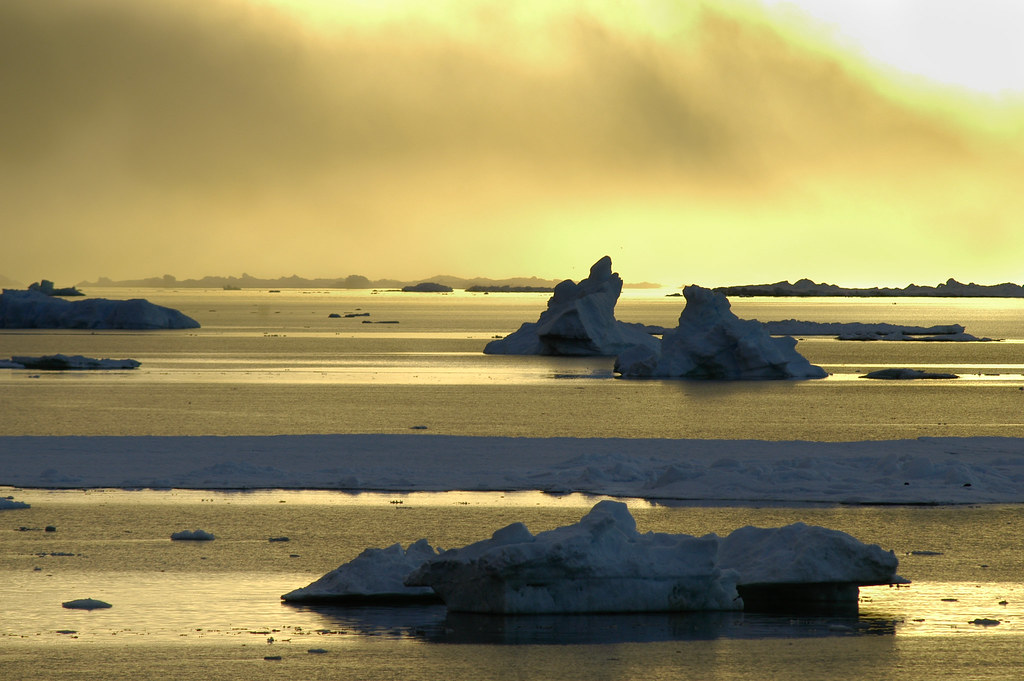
x: 35, y: 310
x: 579, y: 320
x: 601, y: 564
x: 712, y: 342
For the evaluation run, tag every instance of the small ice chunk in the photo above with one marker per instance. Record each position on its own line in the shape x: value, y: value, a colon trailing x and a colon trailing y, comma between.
x: 192, y: 535
x: 85, y: 604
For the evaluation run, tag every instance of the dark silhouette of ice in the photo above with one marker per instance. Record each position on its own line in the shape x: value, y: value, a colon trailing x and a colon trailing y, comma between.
x: 35, y: 310
x: 579, y: 320
x: 711, y: 342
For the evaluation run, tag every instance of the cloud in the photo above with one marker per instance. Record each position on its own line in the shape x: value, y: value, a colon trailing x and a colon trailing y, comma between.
x: 239, y: 135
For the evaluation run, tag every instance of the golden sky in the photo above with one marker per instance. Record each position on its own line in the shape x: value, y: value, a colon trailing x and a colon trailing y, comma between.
x: 715, y: 142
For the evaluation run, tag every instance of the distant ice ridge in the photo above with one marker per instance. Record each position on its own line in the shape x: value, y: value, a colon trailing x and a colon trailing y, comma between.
x: 375, y: 574
x: 712, y: 342
x: 35, y: 310
x: 579, y: 320
x: 603, y: 564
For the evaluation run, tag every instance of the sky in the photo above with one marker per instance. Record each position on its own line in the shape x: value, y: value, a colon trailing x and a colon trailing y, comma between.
x: 713, y: 142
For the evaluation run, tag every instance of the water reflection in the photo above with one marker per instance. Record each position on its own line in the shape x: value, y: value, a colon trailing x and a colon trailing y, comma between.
x: 434, y: 624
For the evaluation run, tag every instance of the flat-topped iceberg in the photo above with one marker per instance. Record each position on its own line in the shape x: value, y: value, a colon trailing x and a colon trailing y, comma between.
x: 372, y: 576
x: 579, y: 320
x: 61, y: 362
x: 601, y: 564
x: 35, y: 310
x: 869, y: 332
x: 712, y: 342
x: 904, y: 374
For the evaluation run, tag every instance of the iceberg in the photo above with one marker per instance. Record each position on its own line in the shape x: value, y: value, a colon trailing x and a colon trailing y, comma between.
x: 375, y: 575
x: 601, y: 564
x: 711, y: 342
x: 579, y: 320
x: 800, y: 567
x: 61, y: 362
x: 36, y: 310
x: 192, y: 535
x: 906, y: 374
x: 870, y: 332
x: 85, y: 604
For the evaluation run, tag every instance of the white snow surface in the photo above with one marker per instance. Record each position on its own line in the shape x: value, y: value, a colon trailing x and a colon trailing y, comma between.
x: 579, y: 320
x: 35, y: 310
x: 374, y: 573
x: 601, y: 564
x: 711, y: 342
x: 61, y: 362
x: 913, y: 471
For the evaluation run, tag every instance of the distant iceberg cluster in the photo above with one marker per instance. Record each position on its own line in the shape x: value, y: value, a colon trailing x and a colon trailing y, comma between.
x: 35, y: 310
x: 603, y: 564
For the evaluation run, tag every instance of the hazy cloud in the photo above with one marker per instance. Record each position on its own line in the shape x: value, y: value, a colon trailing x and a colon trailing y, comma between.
x: 234, y: 136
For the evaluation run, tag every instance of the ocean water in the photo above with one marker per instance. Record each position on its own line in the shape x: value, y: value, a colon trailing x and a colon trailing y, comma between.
x: 274, y: 363
x: 189, y: 609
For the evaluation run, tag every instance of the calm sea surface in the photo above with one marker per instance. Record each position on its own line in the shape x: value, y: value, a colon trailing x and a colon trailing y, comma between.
x: 274, y: 363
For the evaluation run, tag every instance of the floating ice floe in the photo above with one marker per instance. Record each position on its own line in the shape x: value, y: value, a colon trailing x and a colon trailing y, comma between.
x: 603, y: 564
x: 711, y: 342
x: 906, y: 374
x: 579, y: 320
x: 870, y: 332
x: 36, y: 310
x: 374, y: 575
x: 192, y: 535
x: 61, y: 362
x: 85, y: 604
